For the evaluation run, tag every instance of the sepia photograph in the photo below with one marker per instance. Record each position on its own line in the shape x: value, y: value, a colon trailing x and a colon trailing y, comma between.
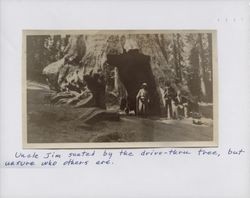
x: 119, y: 88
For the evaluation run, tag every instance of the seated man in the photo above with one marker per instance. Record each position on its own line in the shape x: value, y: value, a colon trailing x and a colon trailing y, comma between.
x: 180, y: 106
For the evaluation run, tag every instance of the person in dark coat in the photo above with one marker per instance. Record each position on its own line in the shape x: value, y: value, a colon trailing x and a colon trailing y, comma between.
x: 169, y: 94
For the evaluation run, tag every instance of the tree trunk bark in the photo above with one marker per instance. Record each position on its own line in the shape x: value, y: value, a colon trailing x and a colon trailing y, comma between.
x: 201, y: 64
x: 179, y: 57
x: 176, y: 58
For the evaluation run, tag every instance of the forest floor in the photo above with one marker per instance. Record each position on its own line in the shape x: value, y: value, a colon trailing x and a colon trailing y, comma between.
x: 48, y: 123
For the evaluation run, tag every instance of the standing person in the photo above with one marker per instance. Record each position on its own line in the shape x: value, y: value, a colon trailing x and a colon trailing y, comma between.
x: 168, y: 97
x: 142, y: 100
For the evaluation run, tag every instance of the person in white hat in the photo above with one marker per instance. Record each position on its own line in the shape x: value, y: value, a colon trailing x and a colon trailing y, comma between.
x: 142, y: 100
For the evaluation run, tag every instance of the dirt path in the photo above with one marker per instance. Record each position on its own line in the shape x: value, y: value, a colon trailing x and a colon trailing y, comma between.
x: 54, y: 124
x: 170, y: 130
x: 61, y: 125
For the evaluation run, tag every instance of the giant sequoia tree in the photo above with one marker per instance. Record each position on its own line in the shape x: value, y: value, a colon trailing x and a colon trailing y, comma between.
x: 116, y: 64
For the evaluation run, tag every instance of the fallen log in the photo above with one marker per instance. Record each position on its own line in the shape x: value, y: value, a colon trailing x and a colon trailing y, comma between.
x: 94, y: 115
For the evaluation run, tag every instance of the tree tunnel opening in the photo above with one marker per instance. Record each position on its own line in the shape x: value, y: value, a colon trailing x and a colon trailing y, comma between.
x: 134, y: 69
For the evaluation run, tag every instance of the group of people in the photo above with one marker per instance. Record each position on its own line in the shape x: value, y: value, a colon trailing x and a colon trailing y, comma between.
x: 177, y: 106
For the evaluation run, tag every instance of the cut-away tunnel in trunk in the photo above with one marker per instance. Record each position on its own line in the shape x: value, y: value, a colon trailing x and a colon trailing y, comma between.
x: 134, y: 69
